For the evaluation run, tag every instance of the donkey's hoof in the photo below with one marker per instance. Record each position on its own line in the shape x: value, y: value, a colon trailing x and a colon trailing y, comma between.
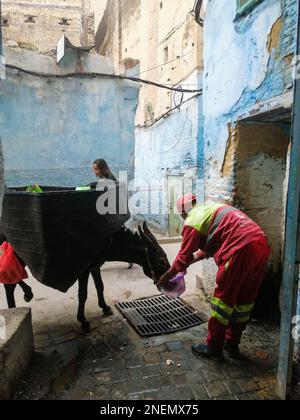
x: 86, y: 327
x: 108, y: 311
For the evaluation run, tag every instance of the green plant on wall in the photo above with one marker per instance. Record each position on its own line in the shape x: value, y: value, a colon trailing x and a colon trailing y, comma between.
x: 246, y: 6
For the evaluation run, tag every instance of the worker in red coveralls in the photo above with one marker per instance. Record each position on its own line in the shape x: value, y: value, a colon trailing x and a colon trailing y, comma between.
x: 240, y: 250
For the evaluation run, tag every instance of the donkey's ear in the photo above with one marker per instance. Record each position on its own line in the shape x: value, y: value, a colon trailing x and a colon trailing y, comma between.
x: 140, y: 231
x: 149, y: 234
x: 142, y: 234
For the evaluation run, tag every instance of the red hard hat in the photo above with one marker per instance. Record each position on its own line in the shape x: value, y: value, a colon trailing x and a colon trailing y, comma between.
x: 185, y: 203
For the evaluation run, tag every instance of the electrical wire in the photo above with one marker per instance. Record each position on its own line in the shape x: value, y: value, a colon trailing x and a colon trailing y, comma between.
x: 166, y: 114
x: 177, y: 27
x: 197, y: 12
x: 176, y: 142
x: 93, y: 75
x: 164, y: 64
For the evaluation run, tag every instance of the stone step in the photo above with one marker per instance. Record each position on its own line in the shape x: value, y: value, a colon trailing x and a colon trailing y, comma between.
x: 16, y: 348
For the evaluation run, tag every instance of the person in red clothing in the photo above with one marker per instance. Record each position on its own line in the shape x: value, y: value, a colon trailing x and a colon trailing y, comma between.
x: 240, y: 249
x: 10, y: 288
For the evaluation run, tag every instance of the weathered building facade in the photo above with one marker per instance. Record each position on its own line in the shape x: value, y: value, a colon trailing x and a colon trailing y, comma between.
x: 247, y: 105
x: 160, y: 41
x: 36, y: 24
x: 53, y: 128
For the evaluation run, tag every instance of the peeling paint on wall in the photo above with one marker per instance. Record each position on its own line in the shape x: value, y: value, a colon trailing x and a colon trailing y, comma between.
x: 260, y: 175
x: 227, y: 75
x: 230, y: 153
x: 253, y: 77
x: 173, y: 146
x: 229, y: 88
x: 274, y: 36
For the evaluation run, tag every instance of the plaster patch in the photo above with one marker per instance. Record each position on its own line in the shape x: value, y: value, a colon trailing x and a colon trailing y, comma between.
x: 230, y: 154
x: 274, y: 36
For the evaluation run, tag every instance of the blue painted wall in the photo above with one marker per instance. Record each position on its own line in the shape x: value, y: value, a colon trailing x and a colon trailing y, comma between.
x: 173, y: 146
x: 248, y: 73
x: 53, y: 129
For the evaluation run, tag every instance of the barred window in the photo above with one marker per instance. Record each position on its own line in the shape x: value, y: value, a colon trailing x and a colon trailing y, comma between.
x: 30, y: 19
x: 246, y: 6
x: 64, y: 21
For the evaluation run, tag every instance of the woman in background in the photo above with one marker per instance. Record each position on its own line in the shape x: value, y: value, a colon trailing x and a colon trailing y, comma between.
x: 102, y: 171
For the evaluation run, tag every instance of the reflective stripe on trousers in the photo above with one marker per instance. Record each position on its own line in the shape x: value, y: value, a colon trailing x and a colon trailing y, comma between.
x: 242, y: 313
x: 221, y: 311
x: 225, y: 314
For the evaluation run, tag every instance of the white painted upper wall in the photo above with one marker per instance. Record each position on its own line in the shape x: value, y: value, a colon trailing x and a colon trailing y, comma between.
x: 161, y: 36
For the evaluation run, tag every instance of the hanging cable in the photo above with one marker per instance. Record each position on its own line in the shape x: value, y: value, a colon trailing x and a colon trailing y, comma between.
x: 166, y: 114
x: 94, y: 75
x: 177, y: 27
x: 164, y: 64
x: 197, y: 12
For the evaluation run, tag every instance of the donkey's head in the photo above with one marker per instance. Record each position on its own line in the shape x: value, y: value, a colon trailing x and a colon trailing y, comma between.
x: 156, y: 260
x: 139, y: 248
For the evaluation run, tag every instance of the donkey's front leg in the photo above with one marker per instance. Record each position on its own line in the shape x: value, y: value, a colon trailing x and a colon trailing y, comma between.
x: 10, y: 297
x: 82, y: 298
x: 96, y: 273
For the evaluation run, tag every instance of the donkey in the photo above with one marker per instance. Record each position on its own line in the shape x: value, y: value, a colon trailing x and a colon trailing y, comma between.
x: 140, y: 248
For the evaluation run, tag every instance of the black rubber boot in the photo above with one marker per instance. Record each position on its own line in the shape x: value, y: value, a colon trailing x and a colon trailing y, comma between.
x: 233, y: 350
x: 204, y: 350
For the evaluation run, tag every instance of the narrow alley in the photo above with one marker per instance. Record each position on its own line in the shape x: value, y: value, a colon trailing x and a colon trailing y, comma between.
x: 115, y: 363
x: 149, y: 201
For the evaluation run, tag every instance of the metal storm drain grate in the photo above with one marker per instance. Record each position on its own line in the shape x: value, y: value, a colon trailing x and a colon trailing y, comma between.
x: 160, y: 315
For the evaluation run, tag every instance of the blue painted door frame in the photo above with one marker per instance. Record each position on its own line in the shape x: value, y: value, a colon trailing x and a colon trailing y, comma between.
x: 291, y: 250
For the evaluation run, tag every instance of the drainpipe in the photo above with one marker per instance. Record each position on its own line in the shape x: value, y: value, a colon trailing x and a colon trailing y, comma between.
x: 197, y: 12
x: 291, y: 248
